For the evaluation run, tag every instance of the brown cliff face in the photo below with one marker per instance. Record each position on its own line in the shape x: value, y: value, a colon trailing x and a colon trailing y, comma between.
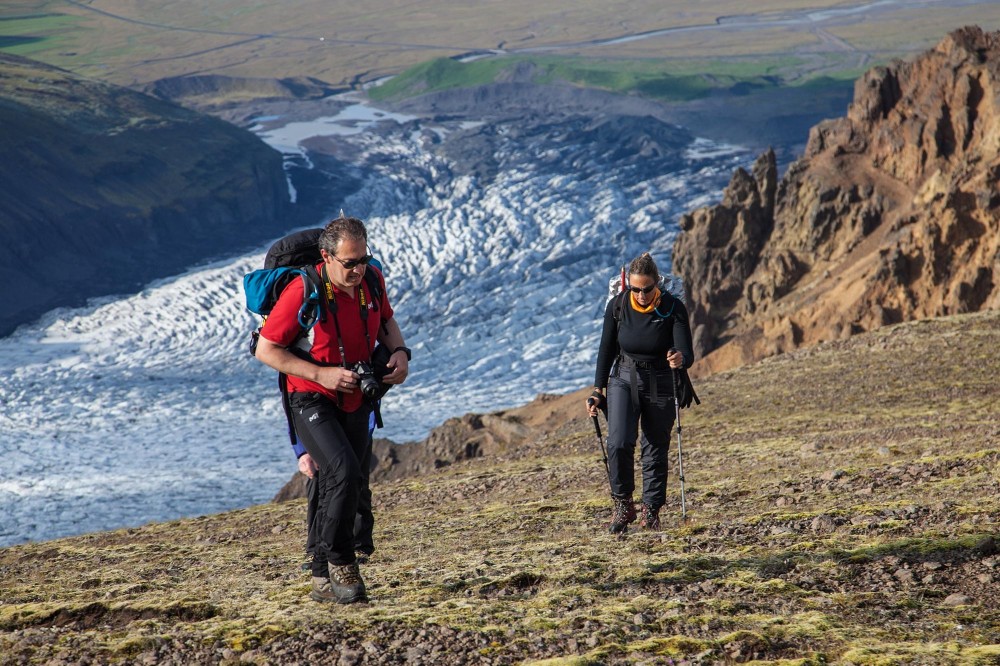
x: 892, y: 214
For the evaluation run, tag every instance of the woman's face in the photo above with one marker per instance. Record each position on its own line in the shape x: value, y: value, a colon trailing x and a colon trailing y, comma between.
x: 643, y: 287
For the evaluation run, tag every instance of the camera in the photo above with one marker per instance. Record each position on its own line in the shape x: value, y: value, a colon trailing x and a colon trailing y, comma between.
x: 369, y: 384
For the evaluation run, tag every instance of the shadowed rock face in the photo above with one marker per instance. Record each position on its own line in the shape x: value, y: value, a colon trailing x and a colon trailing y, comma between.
x: 892, y: 214
x: 105, y: 189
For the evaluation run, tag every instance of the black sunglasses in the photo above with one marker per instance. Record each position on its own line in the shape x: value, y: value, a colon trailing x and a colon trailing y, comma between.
x: 642, y: 290
x: 354, y: 263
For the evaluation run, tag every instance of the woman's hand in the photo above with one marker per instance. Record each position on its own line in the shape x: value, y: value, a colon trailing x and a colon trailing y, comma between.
x: 675, y: 359
x: 594, y: 402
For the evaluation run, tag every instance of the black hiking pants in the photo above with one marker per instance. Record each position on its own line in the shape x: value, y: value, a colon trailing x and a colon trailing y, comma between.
x: 364, y: 520
x: 339, y: 444
x: 656, y: 415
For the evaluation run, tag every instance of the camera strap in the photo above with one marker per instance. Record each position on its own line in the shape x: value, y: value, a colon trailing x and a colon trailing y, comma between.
x: 363, y: 312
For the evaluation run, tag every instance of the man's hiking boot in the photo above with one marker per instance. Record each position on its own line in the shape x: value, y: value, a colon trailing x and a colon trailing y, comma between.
x: 622, y: 514
x: 649, y: 517
x: 344, y: 586
x: 347, y: 584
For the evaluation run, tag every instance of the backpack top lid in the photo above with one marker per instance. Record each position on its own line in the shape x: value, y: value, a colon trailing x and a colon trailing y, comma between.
x: 297, y: 249
x: 668, y: 284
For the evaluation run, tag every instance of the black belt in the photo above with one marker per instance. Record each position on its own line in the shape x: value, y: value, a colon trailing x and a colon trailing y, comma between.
x: 644, y: 365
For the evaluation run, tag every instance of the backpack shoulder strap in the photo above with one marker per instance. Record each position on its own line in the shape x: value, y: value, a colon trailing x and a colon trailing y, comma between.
x: 374, y: 288
x: 619, y: 304
x: 313, y: 283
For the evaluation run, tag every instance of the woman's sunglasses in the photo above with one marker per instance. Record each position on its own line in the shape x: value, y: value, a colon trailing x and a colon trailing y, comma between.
x: 642, y: 290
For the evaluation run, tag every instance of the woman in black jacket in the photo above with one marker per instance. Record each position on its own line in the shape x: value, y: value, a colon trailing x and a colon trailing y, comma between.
x: 646, y: 336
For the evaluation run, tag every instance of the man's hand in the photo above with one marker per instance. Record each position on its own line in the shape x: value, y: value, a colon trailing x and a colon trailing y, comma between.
x: 338, y: 379
x: 675, y: 359
x: 307, y: 466
x: 399, y: 367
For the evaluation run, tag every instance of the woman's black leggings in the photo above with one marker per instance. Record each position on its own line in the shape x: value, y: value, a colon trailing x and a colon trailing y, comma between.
x: 624, y: 417
x: 338, y: 443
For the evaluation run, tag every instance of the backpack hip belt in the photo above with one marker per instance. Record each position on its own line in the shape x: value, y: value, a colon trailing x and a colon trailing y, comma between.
x: 626, y: 361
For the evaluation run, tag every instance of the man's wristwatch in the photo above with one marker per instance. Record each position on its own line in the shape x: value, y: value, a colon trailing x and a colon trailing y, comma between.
x: 405, y: 350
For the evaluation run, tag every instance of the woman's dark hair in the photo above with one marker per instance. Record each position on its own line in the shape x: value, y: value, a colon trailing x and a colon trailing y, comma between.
x: 339, y: 229
x: 644, y: 265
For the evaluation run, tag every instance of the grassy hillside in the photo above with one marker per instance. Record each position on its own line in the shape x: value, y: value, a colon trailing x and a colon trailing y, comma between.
x: 670, y: 81
x: 843, y: 506
x: 342, y: 43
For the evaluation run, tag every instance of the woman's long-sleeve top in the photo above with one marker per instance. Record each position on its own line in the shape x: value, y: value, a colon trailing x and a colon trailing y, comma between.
x: 645, y: 337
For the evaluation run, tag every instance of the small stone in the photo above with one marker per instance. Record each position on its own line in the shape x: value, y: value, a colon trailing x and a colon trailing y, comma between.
x: 985, y: 578
x: 823, y: 524
x: 883, y: 451
x: 349, y: 658
x: 932, y: 566
x: 957, y: 600
x: 832, y: 475
x: 988, y: 546
x: 904, y: 575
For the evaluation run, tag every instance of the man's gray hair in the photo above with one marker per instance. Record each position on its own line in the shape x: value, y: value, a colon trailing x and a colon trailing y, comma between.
x: 339, y: 229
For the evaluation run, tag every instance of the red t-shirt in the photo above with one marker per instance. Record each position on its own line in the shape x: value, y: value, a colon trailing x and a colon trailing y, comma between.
x: 282, y: 327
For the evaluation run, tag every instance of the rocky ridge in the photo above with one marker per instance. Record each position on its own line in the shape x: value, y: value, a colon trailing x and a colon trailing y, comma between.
x: 892, y: 214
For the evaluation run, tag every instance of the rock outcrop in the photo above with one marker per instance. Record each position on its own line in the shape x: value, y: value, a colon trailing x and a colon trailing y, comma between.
x: 105, y: 189
x: 892, y: 214
x: 464, y: 438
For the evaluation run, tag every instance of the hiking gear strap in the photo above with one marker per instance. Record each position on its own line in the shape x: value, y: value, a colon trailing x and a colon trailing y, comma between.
x: 287, y: 406
x: 633, y: 367
x: 363, y: 311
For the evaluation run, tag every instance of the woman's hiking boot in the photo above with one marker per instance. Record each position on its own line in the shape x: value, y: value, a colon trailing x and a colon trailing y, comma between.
x: 622, y: 513
x: 344, y: 586
x: 649, y: 517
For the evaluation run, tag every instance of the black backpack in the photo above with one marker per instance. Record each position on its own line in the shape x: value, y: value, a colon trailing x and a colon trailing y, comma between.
x: 295, y: 255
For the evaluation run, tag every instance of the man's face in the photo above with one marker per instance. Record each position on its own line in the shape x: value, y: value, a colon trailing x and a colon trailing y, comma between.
x: 350, y: 252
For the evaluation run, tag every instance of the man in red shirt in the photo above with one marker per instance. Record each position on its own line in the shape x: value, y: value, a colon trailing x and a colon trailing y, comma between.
x: 329, y: 411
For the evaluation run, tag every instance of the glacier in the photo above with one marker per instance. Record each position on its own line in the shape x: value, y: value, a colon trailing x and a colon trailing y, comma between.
x: 498, y: 237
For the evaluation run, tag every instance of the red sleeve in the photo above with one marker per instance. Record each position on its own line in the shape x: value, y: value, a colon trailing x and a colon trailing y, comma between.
x: 282, y: 325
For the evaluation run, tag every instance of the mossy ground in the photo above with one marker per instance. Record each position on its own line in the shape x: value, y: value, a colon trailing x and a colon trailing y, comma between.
x: 842, y: 504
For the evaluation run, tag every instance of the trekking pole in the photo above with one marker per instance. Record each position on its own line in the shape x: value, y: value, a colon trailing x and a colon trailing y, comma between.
x: 680, y: 454
x: 600, y: 441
